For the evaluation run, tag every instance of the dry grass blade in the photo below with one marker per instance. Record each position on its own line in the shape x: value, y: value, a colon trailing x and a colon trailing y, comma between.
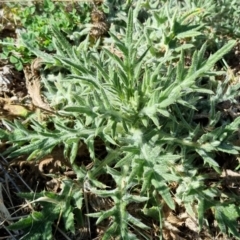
x: 4, y: 213
x: 12, y: 180
x: 5, y: 216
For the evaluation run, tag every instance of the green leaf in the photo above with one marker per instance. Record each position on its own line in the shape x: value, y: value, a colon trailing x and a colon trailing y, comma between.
x: 111, y: 231
x: 210, y: 62
x: 22, y: 223
x: 78, y: 197
x: 207, y: 159
x: 163, y: 190
x: 78, y: 69
x: 188, y: 34
x: 201, y: 210
x: 134, y: 198
x: 13, y: 59
x: 125, y: 160
x: 226, y: 217
x: 74, y: 151
x: 129, y: 34
x: 68, y: 217
x: 81, y: 110
x: 147, y: 177
x: 65, y: 45
x: 106, y: 214
x: 121, y: 45
x: 48, y: 58
x: 153, y: 212
x: 136, y: 222
x: 117, y: 61
x: 35, y: 230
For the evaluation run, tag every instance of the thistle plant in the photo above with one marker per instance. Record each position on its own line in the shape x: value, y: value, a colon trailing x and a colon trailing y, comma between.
x: 38, y: 225
x: 143, y: 107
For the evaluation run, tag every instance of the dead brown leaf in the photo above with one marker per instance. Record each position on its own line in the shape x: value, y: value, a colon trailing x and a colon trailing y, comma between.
x: 16, y: 110
x: 33, y: 84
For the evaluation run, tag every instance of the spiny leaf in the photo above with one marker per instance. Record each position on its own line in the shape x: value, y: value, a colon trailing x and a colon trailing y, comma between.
x: 161, y: 187
x: 211, y: 61
x: 129, y: 33
x: 63, y: 43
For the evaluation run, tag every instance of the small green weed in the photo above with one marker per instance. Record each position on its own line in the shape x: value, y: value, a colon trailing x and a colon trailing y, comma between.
x: 38, y: 225
x: 34, y: 21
